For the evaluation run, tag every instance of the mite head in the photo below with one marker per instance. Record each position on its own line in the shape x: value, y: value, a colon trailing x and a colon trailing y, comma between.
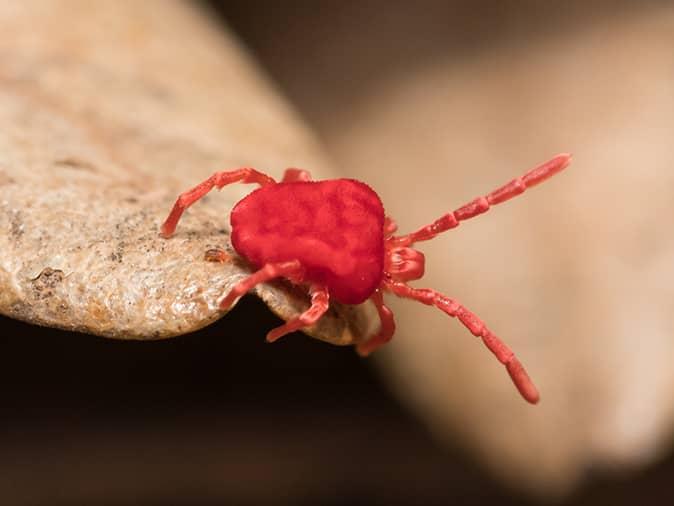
x: 403, y: 263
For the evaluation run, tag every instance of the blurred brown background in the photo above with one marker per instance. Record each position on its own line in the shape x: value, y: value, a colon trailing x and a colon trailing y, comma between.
x: 218, y: 417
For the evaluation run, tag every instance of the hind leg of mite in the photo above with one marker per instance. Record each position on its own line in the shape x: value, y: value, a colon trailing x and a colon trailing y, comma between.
x: 292, y: 270
x: 217, y: 180
x: 320, y: 301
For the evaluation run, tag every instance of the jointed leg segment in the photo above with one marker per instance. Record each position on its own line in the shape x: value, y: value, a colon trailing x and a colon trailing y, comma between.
x: 386, y: 330
x: 291, y: 175
x: 320, y: 301
x: 482, y: 204
x: 455, y: 309
x: 390, y: 227
x: 292, y: 270
x: 217, y: 180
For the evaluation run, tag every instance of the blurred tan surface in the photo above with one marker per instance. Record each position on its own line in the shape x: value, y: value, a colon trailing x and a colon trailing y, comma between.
x: 577, y: 275
x: 436, y: 104
x: 106, y: 116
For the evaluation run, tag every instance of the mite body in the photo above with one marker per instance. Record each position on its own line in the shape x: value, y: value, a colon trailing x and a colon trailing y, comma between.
x: 335, y: 237
x: 334, y: 229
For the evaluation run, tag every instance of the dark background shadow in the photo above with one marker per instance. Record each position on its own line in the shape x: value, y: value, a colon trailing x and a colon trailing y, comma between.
x: 220, y: 417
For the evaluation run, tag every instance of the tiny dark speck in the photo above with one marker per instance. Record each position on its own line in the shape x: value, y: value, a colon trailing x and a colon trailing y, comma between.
x: 76, y: 163
x: 5, y: 179
x: 45, y: 283
x: 216, y: 255
x: 16, y: 229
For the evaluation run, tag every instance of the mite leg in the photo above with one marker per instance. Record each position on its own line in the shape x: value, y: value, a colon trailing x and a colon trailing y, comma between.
x: 455, y: 309
x: 320, y: 301
x: 292, y: 270
x: 292, y: 174
x: 482, y: 204
x: 217, y: 180
x: 386, y: 330
x: 390, y: 227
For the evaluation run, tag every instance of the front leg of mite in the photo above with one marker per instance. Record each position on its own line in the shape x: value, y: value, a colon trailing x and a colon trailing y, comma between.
x: 455, y: 309
x: 320, y: 301
x: 482, y: 204
x: 390, y: 227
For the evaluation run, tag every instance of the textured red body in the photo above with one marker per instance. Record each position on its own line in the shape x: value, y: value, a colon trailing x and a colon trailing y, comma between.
x: 334, y: 238
x: 334, y: 228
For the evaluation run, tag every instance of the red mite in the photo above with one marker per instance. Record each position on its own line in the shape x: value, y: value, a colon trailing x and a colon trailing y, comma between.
x: 335, y: 237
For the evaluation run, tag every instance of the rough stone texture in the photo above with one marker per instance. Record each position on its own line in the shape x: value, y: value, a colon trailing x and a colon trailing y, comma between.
x: 108, y: 110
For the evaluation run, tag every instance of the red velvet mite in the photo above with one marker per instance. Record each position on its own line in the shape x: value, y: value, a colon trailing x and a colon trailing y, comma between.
x: 334, y: 237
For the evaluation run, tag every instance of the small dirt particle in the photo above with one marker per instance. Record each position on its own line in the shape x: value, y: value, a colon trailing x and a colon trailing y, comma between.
x: 45, y: 283
x: 216, y: 255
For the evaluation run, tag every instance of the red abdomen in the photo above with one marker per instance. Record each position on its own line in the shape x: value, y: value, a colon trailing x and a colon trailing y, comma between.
x: 335, y: 228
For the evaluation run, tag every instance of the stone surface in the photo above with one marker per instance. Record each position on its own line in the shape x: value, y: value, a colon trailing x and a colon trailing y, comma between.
x: 108, y: 110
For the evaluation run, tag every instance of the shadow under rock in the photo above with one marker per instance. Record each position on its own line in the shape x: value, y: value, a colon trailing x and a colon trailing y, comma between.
x: 204, y: 417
